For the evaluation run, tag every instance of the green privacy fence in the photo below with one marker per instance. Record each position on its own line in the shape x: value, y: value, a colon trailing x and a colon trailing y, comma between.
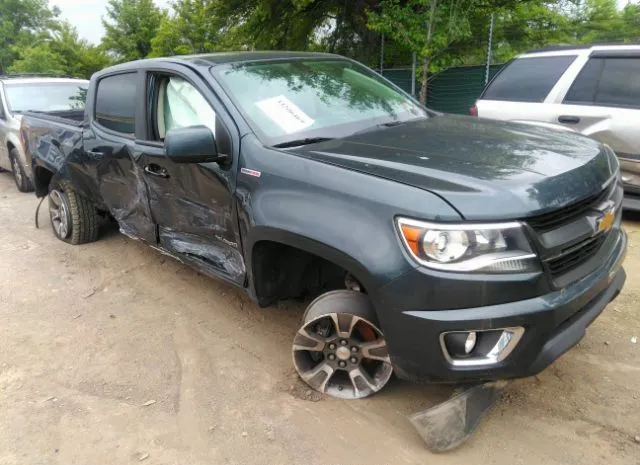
x: 454, y: 90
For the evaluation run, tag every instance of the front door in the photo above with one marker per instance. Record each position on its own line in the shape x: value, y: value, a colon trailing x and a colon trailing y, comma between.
x: 191, y: 203
x: 604, y: 103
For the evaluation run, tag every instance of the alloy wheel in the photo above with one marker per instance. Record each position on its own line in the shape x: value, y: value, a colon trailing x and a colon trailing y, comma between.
x: 342, y: 355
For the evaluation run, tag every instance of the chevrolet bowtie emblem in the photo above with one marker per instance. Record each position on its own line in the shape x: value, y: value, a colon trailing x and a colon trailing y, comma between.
x: 605, y: 222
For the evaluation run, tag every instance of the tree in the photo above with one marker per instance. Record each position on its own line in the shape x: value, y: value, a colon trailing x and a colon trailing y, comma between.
x: 597, y: 21
x: 192, y: 27
x: 60, y: 52
x: 130, y: 27
x: 39, y: 59
x: 80, y: 58
x: 337, y: 26
x: 631, y: 22
x: 426, y: 27
x: 22, y: 22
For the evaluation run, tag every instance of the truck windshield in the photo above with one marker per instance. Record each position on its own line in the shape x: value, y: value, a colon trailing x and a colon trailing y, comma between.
x: 38, y: 96
x: 312, y: 99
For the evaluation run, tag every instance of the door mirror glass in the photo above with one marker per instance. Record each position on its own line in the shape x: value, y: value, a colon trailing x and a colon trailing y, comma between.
x: 193, y: 144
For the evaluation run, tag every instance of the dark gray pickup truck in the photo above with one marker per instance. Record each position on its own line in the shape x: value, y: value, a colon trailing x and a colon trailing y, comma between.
x: 441, y: 248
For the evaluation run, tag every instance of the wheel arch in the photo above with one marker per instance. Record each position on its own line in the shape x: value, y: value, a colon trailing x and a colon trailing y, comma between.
x: 264, y: 234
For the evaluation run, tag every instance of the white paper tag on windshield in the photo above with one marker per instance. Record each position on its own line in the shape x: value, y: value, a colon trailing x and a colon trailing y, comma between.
x: 285, y: 114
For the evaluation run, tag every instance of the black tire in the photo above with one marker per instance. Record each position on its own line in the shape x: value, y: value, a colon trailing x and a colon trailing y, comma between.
x: 19, y: 176
x: 77, y: 222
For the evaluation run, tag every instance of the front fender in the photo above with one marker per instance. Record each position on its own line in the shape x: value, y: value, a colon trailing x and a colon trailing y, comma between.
x: 338, y: 214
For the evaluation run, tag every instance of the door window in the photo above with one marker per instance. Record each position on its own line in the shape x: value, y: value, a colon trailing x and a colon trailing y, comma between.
x: 179, y: 104
x: 116, y: 103
x: 528, y: 79
x: 619, y: 84
x: 584, y: 87
x: 608, y: 82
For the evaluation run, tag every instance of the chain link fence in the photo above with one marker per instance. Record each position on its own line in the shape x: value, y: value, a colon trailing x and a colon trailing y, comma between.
x: 453, y: 90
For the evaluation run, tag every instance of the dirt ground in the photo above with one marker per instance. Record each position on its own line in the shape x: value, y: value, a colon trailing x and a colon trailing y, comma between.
x: 111, y: 353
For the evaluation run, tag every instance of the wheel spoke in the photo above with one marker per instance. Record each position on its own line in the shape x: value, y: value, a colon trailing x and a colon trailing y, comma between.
x: 318, y: 377
x: 359, y: 376
x: 375, y: 350
x: 307, y: 340
x: 55, y: 198
x: 344, y: 324
x: 55, y: 215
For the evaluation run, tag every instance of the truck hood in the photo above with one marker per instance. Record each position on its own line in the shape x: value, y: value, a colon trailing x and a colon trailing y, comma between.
x: 485, y: 169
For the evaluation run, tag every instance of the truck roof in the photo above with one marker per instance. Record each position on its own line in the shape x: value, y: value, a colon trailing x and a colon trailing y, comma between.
x: 213, y: 59
x: 557, y: 50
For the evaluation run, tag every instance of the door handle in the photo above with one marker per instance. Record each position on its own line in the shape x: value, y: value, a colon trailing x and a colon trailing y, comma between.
x: 95, y: 153
x: 156, y: 170
x: 568, y: 119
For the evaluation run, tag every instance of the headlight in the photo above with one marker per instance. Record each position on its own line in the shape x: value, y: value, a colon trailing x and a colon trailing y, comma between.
x: 489, y: 248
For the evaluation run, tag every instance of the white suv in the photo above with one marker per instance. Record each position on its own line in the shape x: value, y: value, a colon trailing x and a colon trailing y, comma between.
x: 594, y: 90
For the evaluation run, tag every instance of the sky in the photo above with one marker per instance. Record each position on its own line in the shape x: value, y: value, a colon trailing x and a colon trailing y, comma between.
x: 86, y: 14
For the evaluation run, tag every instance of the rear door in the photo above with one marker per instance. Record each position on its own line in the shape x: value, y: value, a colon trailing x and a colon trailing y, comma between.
x: 192, y: 202
x: 520, y: 90
x: 604, y: 103
x: 110, y: 170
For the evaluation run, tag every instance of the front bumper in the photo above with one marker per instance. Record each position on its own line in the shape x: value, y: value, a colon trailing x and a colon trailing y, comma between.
x: 553, y: 324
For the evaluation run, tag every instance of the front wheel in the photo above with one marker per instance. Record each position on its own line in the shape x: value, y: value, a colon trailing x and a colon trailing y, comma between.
x: 73, y: 218
x: 19, y: 176
x: 339, y: 350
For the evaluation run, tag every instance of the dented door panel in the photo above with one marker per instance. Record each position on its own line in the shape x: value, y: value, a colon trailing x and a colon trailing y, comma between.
x: 193, y: 209
x: 111, y: 163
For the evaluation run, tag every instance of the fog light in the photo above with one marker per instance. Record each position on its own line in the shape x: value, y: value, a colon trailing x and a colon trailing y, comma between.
x: 461, y: 344
x: 481, y: 347
x: 470, y: 343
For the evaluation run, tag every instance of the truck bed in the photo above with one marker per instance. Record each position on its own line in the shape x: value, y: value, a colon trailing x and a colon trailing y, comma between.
x: 50, y: 137
x: 67, y: 117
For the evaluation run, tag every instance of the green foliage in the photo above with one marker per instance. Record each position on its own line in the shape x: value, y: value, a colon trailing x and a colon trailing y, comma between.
x: 80, y: 58
x: 631, y: 23
x: 22, y: 22
x: 60, y: 52
x: 130, y: 28
x: 38, y: 59
x: 192, y: 27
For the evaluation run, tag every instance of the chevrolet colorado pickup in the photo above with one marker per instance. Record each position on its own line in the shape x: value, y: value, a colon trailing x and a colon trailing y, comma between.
x: 440, y: 248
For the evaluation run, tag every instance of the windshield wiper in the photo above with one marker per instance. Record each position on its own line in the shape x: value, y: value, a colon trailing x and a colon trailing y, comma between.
x: 379, y: 126
x: 305, y: 141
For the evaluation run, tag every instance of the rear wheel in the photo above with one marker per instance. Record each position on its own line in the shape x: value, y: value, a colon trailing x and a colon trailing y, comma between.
x: 19, y: 176
x: 339, y: 350
x: 73, y: 218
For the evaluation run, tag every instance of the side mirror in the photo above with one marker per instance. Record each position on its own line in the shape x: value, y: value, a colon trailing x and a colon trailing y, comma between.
x: 194, y: 144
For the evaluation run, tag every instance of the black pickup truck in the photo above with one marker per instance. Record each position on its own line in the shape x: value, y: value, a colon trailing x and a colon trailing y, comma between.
x: 442, y: 248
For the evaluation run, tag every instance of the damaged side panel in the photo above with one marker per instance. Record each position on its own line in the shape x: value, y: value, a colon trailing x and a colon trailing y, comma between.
x: 108, y: 169
x: 193, y: 208
x: 214, y: 261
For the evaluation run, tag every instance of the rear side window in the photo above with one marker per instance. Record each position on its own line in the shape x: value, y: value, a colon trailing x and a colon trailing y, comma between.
x: 584, y: 87
x: 619, y: 84
x: 528, y: 79
x: 607, y: 82
x: 116, y: 103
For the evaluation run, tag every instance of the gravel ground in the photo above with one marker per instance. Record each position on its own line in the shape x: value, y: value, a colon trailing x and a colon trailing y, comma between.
x: 111, y: 353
